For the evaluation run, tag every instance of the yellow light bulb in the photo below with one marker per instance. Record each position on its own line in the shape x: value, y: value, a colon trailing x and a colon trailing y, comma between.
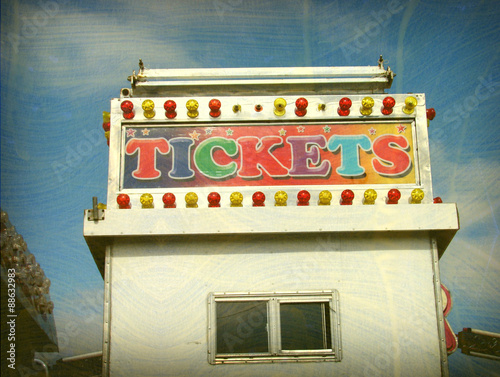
x: 146, y: 201
x: 416, y: 196
x: 325, y: 197
x: 192, y: 106
x: 281, y: 198
x: 236, y: 199
x: 105, y: 117
x: 370, y: 196
x: 367, y: 104
x: 148, y: 105
x: 191, y: 200
x: 279, y: 106
x: 410, y: 104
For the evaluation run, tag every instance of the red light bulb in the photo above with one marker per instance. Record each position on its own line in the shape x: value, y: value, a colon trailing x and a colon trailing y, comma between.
x: 303, y: 197
x: 438, y: 200
x: 344, y: 106
x: 347, y: 196
x: 258, y: 199
x: 168, y: 200
x: 127, y: 106
x: 345, y: 103
x: 123, y: 201
x: 388, y: 103
x: 214, y: 106
x: 431, y: 113
x: 301, y: 107
x: 393, y: 196
x: 213, y: 199
x: 106, y: 126
x: 170, y: 107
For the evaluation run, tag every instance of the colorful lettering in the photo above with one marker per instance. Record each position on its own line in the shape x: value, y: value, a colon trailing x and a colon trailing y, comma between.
x: 392, y: 159
x: 256, y: 156
x: 203, y: 157
x: 305, y: 151
x: 181, y: 158
x: 275, y: 154
x: 349, y: 146
x: 146, y: 160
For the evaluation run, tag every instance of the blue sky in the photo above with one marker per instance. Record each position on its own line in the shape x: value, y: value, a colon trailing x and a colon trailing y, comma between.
x: 62, y: 62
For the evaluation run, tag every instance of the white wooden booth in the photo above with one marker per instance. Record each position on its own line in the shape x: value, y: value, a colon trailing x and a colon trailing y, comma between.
x: 330, y: 274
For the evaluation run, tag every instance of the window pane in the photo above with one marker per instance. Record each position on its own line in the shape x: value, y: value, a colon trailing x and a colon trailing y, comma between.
x: 242, y: 327
x: 305, y: 326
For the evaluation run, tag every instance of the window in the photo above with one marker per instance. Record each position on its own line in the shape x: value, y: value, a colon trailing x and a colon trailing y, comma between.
x: 270, y: 327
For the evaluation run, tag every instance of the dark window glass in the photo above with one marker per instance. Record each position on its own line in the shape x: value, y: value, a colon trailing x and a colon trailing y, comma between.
x: 305, y: 326
x: 242, y: 327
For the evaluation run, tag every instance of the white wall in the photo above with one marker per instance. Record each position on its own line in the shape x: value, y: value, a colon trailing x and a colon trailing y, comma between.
x: 387, y: 306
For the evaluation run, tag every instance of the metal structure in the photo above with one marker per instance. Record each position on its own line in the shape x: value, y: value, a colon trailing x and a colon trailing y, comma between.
x: 279, y: 220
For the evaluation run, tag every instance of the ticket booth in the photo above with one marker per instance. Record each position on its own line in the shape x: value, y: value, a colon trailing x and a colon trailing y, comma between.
x: 270, y: 222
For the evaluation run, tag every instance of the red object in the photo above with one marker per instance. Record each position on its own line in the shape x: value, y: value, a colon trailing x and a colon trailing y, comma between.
x: 258, y: 108
x: 128, y: 115
x: 168, y: 200
x: 388, y: 103
x: 303, y: 197
x: 170, y: 107
x: 301, y: 106
x: 258, y: 199
x: 147, y: 150
x: 438, y: 200
x: 127, y: 106
x: 106, y: 126
x: 213, y: 199
x: 123, y: 201
x: 393, y: 196
x: 347, y: 197
x: 344, y: 106
x: 451, y: 338
x: 431, y: 113
x: 214, y: 105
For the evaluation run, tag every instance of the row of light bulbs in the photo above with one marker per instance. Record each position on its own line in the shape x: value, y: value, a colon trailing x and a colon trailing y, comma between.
x: 30, y: 277
x: 280, y: 198
x: 301, y: 104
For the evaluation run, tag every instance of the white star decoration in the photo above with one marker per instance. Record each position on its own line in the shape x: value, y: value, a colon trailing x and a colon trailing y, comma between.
x: 372, y: 131
x: 327, y: 129
x: 131, y: 132
x: 282, y: 132
x: 145, y: 132
x: 229, y: 132
x: 301, y: 129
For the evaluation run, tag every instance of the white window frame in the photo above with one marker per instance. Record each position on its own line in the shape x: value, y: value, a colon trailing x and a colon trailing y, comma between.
x: 276, y: 354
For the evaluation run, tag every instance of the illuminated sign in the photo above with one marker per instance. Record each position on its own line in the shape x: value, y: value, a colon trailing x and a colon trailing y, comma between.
x: 160, y: 156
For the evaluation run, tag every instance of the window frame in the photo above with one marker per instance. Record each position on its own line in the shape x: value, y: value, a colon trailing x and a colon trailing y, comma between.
x: 275, y: 353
